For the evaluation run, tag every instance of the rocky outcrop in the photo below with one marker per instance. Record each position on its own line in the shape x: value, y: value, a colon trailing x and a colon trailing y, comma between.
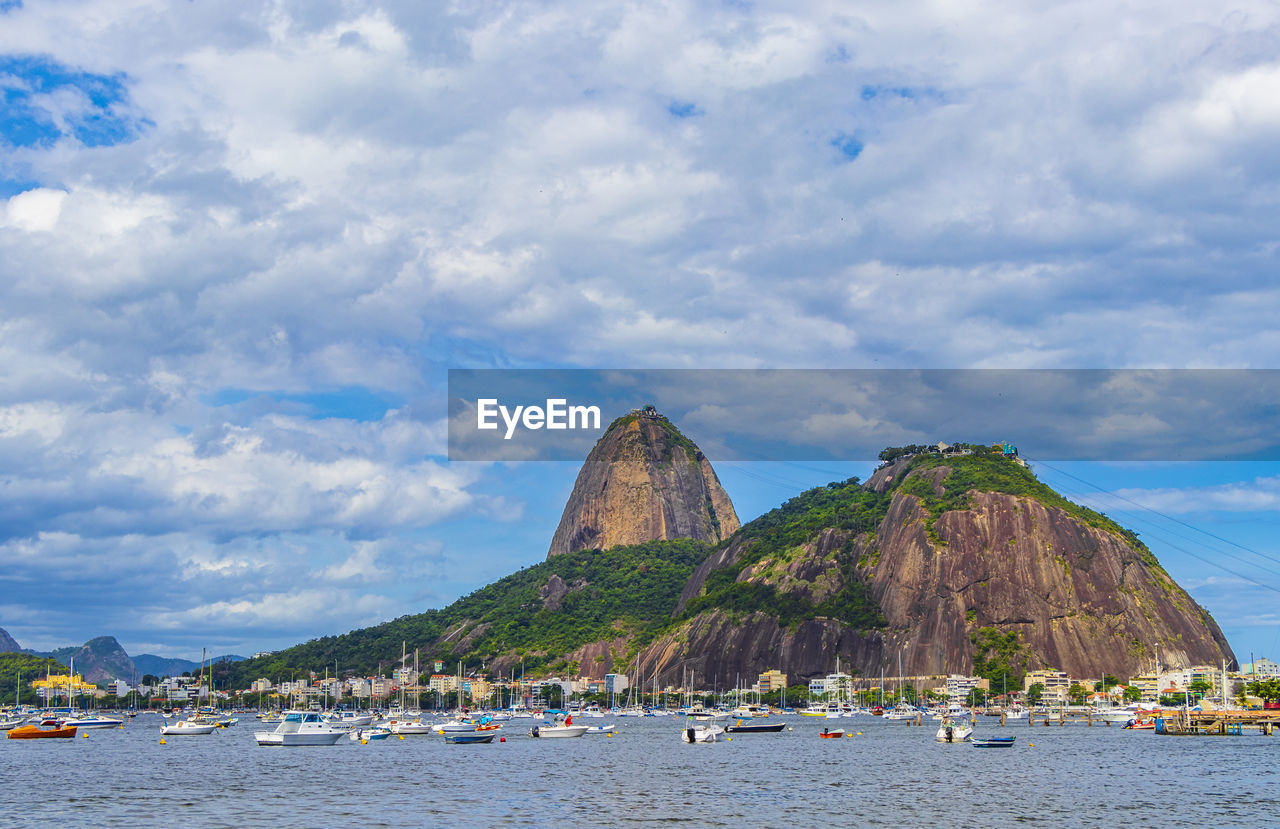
x: 643, y: 481
x: 7, y: 643
x: 1081, y: 598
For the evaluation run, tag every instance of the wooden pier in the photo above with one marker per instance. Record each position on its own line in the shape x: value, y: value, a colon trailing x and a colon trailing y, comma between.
x: 1216, y: 723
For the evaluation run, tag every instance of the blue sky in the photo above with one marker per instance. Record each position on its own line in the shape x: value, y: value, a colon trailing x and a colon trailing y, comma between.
x: 240, y: 247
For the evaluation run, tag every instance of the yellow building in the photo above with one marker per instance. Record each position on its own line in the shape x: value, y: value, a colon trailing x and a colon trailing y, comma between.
x: 61, y: 684
x: 773, y: 680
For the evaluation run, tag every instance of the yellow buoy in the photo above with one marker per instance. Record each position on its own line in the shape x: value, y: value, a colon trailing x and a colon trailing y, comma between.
x: 731, y: 739
x: 1032, y: 745
x: 364, y: 742
x: 859, y: 733
x: 401, y: 736
x: 162, y: 741
x: 85, y: 735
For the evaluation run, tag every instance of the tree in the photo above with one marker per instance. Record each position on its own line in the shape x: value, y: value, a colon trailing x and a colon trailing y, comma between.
x: 1268, y: 689
x: 1035, y: 693
x: 1132, y: 693
x: 976, y: 698
x: 1199, y: 687
x: 1076, y: 693
x: 150, y: 679
x: 1106, y: 683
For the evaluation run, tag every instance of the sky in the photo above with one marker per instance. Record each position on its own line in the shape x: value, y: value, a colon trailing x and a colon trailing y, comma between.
x: 241, y: 245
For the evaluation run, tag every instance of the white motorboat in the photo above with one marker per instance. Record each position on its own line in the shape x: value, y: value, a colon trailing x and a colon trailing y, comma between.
x: 411, y: 727
x: 187, y: 728
x: 453, y: 727
x: 94, y: 722
x: 954, y: 732
x: 901, y: 712
x: 695, y: 732
x: 601, y: 729
x: 557, y: 731
x: 12, y: 722
x: 1119, y: 715
x: 352, y: 719
x: 301, y: 728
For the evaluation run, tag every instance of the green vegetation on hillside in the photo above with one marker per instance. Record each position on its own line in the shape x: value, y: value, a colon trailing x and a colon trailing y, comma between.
x: 31, y: 667
x: 999, y: 656
x: 840, y: 505
x: 986, y: 471
x: 622, y: 591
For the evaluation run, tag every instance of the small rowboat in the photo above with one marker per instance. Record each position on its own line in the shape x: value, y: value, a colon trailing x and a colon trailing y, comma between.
x: 35, y: 732
x: 826, y: 735
x: 468, y: 737
x: 993, y: 742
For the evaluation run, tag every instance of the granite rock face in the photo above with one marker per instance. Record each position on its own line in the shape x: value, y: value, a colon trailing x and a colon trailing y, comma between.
x: 643, y: 481
x: 7, y: 643
x: 1081, y: 598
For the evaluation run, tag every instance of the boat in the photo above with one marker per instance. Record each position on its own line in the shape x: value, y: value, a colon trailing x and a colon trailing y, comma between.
x: 35, y: 732
x: 87, y: 721
x: 1120, y: 715
x: 411, y: 727
x: 954, y: 733
x: 301, y: 728
x: 188, y: 728
x: 695, y: 732
x: 365, y: 735
x: 601, y: 729
x: 829, y: 735
x: 466, y: 738
x: 454, y: 727
x: 741, y: 727
x: 12, y: 722
x: 992, y: 742
x: 547, y: 730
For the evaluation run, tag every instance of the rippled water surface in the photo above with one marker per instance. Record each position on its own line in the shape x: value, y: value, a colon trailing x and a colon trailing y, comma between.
x: 889, y: 775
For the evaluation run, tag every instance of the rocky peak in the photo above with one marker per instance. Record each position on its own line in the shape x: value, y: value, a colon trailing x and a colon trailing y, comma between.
x: 643, y: 481
x: 7, y: 643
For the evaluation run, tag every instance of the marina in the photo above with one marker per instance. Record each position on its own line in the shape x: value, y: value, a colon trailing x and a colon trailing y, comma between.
x: 879, y: 774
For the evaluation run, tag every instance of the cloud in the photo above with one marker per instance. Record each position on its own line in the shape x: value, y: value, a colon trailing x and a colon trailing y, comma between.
x: 221, y: 221
x: 34, y: 210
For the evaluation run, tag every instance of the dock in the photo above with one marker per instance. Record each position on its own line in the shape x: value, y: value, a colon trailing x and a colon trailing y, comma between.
x: 1216, y: 723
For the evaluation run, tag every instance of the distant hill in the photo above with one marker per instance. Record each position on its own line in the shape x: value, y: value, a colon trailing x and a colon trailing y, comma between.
x: 102, y: 659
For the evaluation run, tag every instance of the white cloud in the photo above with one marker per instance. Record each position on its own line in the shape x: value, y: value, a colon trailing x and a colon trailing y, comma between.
x: 331, y: 197
x: 34, y: 210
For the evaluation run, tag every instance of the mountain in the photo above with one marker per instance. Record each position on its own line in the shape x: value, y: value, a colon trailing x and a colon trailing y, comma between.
x: 953, y: 564
x: 8, y: 644
x: 99, y: 660
x: 962, y: 562
x: 643, y: 481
